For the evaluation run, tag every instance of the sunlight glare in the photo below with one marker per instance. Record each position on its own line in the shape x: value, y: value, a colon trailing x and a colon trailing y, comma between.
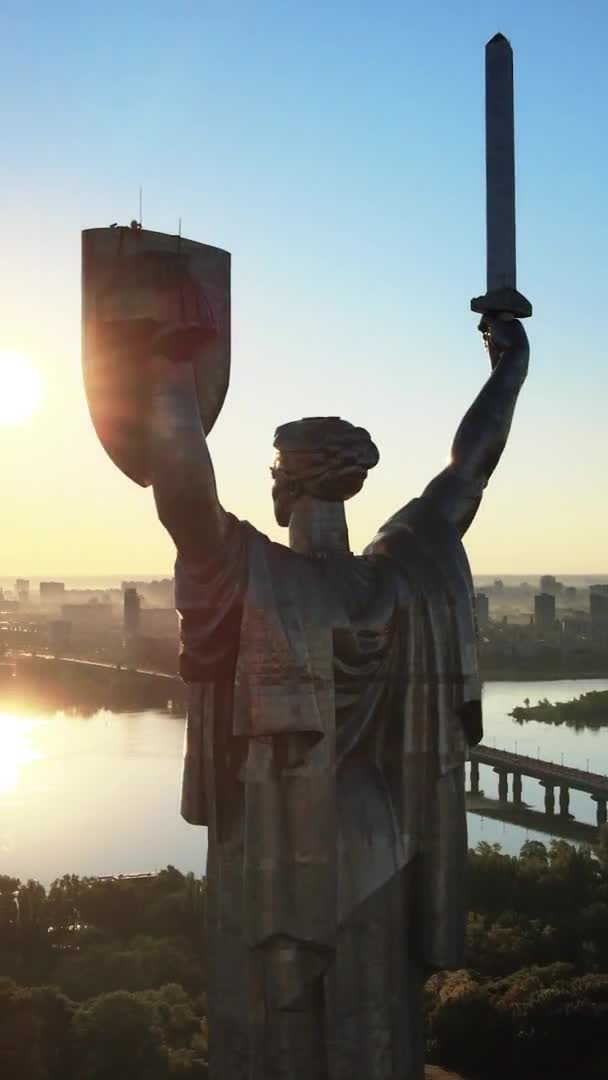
x: 16, y: 750
x: 20, y: 388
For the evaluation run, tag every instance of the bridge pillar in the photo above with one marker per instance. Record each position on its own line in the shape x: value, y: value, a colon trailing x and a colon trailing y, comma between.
x: 549, y: 797
x: 564, y: 801
x: 474, y: 777
x: 602, y: 810
x: 517, y: 788
x: 503, y: 784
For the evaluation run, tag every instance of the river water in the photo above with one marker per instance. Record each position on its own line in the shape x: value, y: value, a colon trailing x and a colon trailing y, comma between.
x: 99, y: 794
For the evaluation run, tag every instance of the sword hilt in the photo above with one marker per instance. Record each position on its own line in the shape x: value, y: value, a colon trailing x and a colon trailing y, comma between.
x: 507, y: 302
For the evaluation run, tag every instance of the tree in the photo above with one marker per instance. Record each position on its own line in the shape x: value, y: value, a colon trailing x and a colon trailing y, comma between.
x: 187, y: 1065
x: 142, y: 964
x: 20, y: 1051
x: 34, y: 946
x: 534, y: 851
x: 54, y: 1012
x: 9, y: 914
x: 467, y: 1030
x: 64, y: 906
x: 118, y: 1037
x: 35, y: 1041
x: 556, y: 1030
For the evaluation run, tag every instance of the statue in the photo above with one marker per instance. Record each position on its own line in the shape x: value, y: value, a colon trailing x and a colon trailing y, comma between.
x: 332, y: 696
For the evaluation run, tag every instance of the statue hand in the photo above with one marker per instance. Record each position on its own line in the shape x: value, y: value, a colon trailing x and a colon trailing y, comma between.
x: 501, y: 336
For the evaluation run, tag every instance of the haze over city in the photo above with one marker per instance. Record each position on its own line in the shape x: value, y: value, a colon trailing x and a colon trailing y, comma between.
x: 340, y: 159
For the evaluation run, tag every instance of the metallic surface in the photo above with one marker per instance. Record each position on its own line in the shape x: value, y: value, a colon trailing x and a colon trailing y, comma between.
x: 330, y: 700
x: 332, y: 697
x: 500, y: 166
x: 502, y: 295
x: 140, y: 287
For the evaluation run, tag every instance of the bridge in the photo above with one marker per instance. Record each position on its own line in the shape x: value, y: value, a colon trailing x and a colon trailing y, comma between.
x: 548, y: 773
x: 118, y: 685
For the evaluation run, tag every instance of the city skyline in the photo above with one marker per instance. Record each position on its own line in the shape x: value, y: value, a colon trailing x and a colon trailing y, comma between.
x: 341, y: 162
x: 93, y: 582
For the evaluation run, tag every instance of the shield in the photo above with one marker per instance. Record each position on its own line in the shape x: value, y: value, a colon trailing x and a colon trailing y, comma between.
x: 140, y: 288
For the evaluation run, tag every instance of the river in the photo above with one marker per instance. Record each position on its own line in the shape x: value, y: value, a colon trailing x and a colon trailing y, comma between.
x: 99, y: 794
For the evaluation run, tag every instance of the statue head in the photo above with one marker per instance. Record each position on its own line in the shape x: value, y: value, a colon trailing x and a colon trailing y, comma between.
x: 321, y: 456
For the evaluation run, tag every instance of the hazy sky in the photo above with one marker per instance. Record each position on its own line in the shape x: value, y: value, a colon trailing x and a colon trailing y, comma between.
x: 336, y: 149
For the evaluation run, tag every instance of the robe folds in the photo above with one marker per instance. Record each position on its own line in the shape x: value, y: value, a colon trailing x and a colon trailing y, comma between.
x: 331, y: 702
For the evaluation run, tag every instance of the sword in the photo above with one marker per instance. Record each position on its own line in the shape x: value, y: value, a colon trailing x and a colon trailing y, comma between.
x: 502, y: 297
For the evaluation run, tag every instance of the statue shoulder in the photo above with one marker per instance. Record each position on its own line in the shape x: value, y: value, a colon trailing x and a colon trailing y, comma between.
x: 417, y: 521
x: 205, y: 573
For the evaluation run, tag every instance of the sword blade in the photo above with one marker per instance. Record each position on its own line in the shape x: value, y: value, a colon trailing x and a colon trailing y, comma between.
x: 500, y: 165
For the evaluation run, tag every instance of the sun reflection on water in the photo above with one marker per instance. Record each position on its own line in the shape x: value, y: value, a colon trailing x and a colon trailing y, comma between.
x: 16, y: 749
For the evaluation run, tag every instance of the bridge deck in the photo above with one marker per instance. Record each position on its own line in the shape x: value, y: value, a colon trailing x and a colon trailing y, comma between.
x: 549, y: 771
x: 101, y: 664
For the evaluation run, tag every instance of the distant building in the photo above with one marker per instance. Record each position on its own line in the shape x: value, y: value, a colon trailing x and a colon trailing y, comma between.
x: 570, y: 593
x: 598, y: 607
x: 155, y: 593
x: 22, y: 590
x: 498, y: 585
x: 52, y: 594
x: 157, y: 654
x: 482, y: 607
x: 575, y: 629
x: 151, y: 635
x: 60, y: 637
x: 159, y: 623
x: 89, y: 615
x: 131, y: 615
x: 544, y: 611
x: 550, y: 585
x: 131, y: 608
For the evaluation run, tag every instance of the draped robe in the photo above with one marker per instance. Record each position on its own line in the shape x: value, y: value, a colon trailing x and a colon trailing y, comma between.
x: 331, y: 701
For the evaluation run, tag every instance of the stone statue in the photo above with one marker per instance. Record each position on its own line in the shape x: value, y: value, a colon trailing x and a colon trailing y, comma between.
x: 332, y: 696
x: 332, y: 699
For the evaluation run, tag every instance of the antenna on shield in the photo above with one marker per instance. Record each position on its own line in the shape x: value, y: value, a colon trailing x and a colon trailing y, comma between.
x: 136, y: 223
x: 140, y: 206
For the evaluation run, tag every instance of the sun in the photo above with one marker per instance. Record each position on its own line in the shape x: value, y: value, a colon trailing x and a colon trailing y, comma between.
x: 20, y: 388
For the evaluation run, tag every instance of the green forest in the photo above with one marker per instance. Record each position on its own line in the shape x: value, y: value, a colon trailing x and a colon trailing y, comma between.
x: 105, y: 979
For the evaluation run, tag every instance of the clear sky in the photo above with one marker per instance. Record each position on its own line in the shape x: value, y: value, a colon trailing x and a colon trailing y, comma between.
x: 336, y: 149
